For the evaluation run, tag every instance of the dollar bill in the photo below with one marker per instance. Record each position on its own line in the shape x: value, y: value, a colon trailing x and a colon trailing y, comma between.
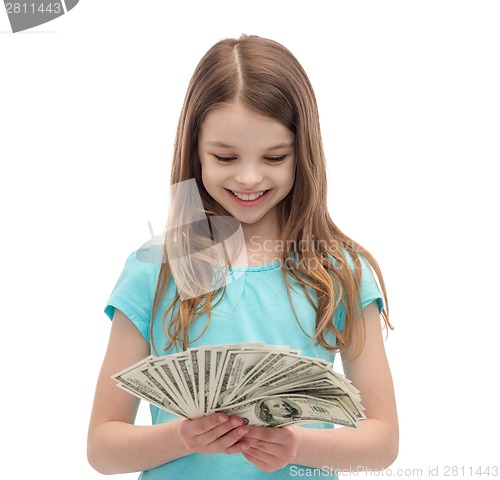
x: 246, y: 379
x: 136, y: 382
x: 279, y: 411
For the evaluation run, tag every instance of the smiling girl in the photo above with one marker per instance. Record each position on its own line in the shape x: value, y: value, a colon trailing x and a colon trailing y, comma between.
x: 249, y: 135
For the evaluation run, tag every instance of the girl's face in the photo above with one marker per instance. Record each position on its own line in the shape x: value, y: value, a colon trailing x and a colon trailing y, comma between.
x: 247, y: 162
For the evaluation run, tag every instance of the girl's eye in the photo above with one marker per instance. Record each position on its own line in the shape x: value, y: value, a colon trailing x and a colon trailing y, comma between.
x: 275, y: 159
x: 230, y: 159
x: 224, y: 159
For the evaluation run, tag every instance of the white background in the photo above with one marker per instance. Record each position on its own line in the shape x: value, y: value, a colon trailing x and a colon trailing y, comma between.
x: 409, y: 103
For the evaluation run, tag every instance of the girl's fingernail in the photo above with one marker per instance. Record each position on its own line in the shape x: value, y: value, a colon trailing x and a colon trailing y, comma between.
x: 235, y: 422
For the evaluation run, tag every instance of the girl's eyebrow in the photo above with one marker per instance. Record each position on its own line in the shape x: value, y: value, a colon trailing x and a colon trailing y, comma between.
x: 225, y: 145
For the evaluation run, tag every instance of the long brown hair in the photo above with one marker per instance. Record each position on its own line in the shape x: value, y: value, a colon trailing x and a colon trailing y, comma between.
x: 267, y: 78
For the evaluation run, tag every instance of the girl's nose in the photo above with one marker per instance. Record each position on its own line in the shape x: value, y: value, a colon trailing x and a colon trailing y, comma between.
x: 249, y: 176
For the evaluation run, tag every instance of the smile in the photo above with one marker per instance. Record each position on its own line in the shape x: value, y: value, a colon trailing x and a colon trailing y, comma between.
x: 252, y: 196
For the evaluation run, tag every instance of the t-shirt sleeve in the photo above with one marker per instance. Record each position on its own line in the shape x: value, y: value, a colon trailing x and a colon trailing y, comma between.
x: 134, y: 292
x: 369, y: 288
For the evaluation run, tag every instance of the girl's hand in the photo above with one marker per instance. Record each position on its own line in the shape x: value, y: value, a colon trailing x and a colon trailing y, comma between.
x: 270, y: 449
x: 216, y: 433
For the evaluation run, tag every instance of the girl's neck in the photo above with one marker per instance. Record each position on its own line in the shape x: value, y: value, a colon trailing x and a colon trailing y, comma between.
x: 261, y: 240
x: 261, y: 244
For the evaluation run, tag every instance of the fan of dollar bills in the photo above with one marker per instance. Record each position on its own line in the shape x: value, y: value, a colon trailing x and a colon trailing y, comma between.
x: 266, y: 385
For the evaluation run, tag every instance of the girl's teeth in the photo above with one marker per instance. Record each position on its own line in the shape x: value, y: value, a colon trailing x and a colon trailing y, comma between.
x: 253, y: 196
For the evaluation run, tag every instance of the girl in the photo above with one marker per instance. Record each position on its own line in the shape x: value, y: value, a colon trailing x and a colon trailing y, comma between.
x: 249, y: 136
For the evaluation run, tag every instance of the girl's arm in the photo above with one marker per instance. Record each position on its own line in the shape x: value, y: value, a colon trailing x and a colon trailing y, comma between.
x: 115, y: 445
x: 374, y: 445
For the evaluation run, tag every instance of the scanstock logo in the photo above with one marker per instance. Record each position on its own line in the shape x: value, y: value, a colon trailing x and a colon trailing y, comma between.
x: 32, y: 13
x: 201, y: 249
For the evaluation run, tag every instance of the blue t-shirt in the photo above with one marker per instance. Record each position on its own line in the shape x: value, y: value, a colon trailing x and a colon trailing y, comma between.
x: 254, y: 308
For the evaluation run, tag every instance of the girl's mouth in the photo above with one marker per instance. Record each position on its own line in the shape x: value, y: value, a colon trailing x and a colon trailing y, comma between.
x: 248, y: 200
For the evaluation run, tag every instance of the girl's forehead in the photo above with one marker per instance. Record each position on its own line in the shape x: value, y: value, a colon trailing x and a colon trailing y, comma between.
x: 235, y: 125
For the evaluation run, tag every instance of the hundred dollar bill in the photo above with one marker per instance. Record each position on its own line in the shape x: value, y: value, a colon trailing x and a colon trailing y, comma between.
x: 268, y: 366
x: 184, y: 368
x: 297, y: 371
x: 355, y: 409
x: 278, y: 411
x: 165, y: 370
x: 215, y: 360
x: 328, y: 379
x: 204, y: 357
x: 281, y: 371
x: 238, y: 364
x: 136, y: 382
x: 195, y: 370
